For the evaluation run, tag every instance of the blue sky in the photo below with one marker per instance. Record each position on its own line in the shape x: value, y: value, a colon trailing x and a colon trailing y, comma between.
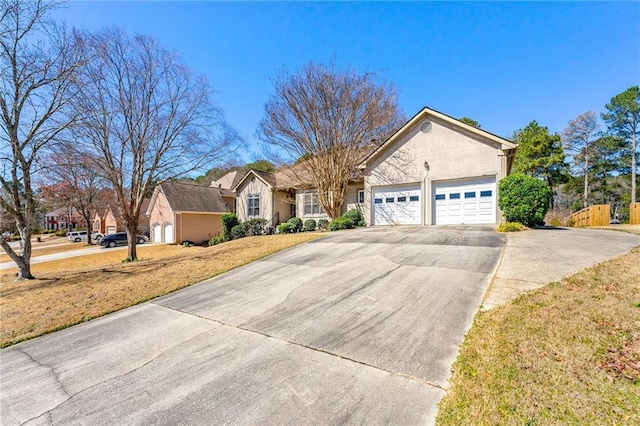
x: 500, y: 63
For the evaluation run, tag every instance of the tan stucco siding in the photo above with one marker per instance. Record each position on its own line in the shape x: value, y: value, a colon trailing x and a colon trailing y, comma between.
x: 230, y: 201
x: 351, y: 198
x: 450, y: 153
x: 199, y: 227
x: 254, y: 185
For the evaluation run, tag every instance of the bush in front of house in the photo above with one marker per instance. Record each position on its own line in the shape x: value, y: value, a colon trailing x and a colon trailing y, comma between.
x: 60, y: 233
x: 285, y: 228
x: 309, y: 225
x: 341, y: 222
x: 296, y: 224
x: 237, y: 231
x: 355, y: 216
x: 323, y: 224
x: 523, y: 199
x: 216, y: 239
x: 510, y: 227
x: 254, y: 226
x: 229, y: 221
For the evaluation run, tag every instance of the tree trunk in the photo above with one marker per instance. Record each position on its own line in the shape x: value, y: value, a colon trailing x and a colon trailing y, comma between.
x: 23, y: 259
x: 89, y: 228
x: 132, y: 242
x: 550, y: 184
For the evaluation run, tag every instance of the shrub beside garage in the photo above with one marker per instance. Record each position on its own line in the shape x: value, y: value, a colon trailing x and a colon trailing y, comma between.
x: 524, y: 199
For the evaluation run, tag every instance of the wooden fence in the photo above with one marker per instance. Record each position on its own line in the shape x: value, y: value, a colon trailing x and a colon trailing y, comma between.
x: 597, y: 215
x: 634, y: 214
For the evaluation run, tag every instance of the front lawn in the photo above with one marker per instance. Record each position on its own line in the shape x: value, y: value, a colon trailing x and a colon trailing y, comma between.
x: 568, y: 353
x: 77, y: 289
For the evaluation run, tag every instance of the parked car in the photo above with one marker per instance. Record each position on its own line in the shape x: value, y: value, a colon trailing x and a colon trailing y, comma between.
x: 120, y: 239
x: 77, y: 236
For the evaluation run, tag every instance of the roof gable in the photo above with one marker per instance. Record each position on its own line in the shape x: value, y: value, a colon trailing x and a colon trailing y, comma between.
x: 425, y: 113
x: 265, y: 177
x: 228, y: 181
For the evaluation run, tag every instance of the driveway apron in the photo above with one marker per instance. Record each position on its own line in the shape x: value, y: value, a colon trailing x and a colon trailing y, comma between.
x: 356, y: 327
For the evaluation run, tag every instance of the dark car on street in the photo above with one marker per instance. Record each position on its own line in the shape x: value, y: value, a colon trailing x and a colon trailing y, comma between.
x: 120, y: 239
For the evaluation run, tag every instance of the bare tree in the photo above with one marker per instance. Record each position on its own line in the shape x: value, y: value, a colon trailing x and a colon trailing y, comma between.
x: 328, y: 116
x: 578, y: 138
x: 72, y: 179
x: 147, y: 118
x: 38, y: 62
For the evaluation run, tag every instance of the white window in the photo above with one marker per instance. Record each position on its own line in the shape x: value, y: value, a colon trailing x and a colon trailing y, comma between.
x: 361, y: 196
x: 253, y: 205
x: 312, y: 203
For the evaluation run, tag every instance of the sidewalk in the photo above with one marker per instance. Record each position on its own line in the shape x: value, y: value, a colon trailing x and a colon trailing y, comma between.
x: 534, y: 258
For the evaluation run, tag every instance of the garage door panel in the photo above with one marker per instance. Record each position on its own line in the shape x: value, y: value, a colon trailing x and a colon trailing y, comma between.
x: 397, y: 206
x: 157, y: 234
x: 470, y: 206
x: 465, y: 202
x: 168, y: 234
x: 486, y: 205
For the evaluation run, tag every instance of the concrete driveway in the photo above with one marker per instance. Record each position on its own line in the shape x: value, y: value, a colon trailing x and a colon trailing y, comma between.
x: 357, y: 327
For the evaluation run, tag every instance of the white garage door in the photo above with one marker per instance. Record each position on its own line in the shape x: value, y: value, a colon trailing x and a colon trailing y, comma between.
x: 111, y: 230
x: 396, y: 206
x: 168, y: 233
x: 472, y: 201
x: 157, y: 233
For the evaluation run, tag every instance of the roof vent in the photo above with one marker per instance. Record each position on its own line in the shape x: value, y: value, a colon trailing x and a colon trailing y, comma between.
x: 426, y: 127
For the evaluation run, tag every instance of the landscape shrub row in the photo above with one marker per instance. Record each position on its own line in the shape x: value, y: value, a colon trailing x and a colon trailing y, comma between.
x: 232, y: 228
x: 349, y: 220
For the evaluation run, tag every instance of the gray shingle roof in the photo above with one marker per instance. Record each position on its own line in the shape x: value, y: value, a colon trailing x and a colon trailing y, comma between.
x: 186, y: 197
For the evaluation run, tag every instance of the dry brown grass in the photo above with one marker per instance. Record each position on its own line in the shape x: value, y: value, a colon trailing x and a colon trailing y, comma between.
x: 568, y: 353
x: 73, y: 290
x: 41, y: 251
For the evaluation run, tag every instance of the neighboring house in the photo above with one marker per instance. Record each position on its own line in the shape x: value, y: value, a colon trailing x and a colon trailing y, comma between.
x: 185, y: 212
x: 108, y: 219
x: 64, y: 218
x: 436, y: 170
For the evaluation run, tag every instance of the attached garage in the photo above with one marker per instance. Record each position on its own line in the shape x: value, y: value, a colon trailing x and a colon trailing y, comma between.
x: 450, y: 169
x: 185, y: 212
x: 111, y: 230
x: 397, y: 205
x: 465, y: 202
